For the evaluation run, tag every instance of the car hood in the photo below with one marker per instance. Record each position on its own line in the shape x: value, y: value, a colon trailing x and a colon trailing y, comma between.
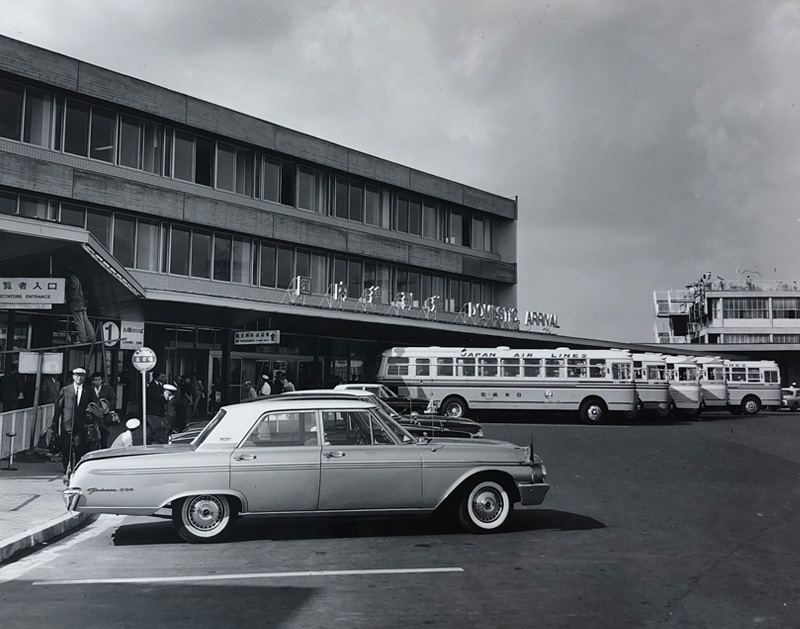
x: 481, y: 451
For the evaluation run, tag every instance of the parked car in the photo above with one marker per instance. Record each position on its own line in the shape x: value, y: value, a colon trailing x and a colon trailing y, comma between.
x: 266, y: 458
x: 398, y: 403
x: 790, y: 398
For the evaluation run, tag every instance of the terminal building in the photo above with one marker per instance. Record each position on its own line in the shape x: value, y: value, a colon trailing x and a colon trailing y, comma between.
x: 747, y: 316
x: 230, y: 245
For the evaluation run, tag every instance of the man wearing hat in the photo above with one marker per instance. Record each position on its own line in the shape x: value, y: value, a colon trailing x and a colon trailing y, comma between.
x: 265, y: 388
x: 174, y: 408
x: 70, y: 413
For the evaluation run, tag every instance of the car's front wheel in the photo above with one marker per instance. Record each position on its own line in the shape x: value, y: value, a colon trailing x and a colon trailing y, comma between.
x: 485, y: 507
x: 203, y: 518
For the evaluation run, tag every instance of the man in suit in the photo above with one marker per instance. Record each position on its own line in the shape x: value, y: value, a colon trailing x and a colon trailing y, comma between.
x: 104, y: 391
x: 70, y: 414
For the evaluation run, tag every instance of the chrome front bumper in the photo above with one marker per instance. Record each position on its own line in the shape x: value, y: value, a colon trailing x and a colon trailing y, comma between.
x: 532, y: 493
x: 71, y: 498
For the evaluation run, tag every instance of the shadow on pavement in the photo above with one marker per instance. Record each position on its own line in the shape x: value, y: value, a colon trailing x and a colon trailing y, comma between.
x: 285, y: 529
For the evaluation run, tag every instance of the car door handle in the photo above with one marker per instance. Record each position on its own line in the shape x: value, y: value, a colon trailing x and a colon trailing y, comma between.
x: 244, y: 457
x: 334, y: 454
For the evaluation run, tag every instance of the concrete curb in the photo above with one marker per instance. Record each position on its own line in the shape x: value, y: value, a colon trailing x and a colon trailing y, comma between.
x: 48, y: 530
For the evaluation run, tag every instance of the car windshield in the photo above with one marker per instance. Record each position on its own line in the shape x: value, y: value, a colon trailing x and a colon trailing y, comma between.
x: 388, y: 418
x: 209, y: 427
x: 386, y: 392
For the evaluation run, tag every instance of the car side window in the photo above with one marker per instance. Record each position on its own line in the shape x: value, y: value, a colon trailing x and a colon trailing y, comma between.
x: 353, y: 428
x: 284, y: 429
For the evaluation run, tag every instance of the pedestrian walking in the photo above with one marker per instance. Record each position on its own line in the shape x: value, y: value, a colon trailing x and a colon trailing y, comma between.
x: 266, y: 388
x: 70, y: 415
x: 287, y: 384
x: 249, y: 390
x: 175, y: 408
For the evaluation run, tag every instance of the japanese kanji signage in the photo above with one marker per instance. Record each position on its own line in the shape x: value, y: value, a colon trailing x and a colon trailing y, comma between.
x: 133, y: 334
x: 247, y: 337
x: 31, y: 292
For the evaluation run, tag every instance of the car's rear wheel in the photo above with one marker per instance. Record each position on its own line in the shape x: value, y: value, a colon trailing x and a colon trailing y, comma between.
x: 751, y: 405
x: 485, y: 507
x: 203, y: 518
x: 454, y: 406
x: 794, y: 408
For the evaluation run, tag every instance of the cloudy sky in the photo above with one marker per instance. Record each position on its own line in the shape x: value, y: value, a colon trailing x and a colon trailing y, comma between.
x: 648, y: 142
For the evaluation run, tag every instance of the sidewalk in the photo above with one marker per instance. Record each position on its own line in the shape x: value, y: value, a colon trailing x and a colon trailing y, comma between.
x: 31, y: 508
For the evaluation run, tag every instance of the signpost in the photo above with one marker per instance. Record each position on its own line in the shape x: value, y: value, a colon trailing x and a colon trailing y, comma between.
x: 144, y: 359
x: 255, y: 337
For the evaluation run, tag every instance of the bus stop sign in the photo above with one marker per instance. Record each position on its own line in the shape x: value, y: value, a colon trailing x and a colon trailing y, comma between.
x: 144, y: 359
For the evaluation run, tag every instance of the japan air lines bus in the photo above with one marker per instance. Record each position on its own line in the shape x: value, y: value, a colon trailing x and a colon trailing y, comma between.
x: 713, y: 386
x: 752, y: 384
x: 684, y: 385
x: 459, y: 379
x: 652, y: 386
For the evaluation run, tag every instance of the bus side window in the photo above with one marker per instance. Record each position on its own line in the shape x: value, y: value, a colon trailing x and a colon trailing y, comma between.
x: 466, y: 366
x: 397, y: 366
x: 487, y: 367
x: 620, y: 371
x: 738, y: 374
x: 509, y: 367
x: 423, y: 366
x: 576, y: 368
x: 597, y: 368
x: 553, y: 367
x: 532, y: 367
x: 771, y: 376
x: 444, y: 366
x: 753, y: 374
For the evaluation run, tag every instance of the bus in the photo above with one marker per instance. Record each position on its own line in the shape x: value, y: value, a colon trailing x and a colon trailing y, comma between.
x: 652, y: 386
x: 752, y: 385
x: 684, y: 385
x: 713, y: 385
x: 460, y: 379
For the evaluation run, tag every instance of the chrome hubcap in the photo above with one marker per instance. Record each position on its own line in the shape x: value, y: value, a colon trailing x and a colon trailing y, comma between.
x: 206, y: 513
x: 487, y: 504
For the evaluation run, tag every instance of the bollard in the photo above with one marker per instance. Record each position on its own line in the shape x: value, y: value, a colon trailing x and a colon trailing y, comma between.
x: 11, y: 435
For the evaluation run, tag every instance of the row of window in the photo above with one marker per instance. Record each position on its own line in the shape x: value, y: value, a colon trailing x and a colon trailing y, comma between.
x: 759, y: 308
x: 469, y: 367
x: 63, y: 124
x: 176, y: 249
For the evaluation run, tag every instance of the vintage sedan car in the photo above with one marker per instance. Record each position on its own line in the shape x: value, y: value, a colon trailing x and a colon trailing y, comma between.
x: 266, y: 458
x: 790, y: 398
x: 399, y: 403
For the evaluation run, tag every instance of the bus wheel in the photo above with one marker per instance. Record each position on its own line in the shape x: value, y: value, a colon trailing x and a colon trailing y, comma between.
x: 638, y: 409
x: 693, y: 413
x: 593, y: 411
x: 454, y: 406
x: 751, y: 405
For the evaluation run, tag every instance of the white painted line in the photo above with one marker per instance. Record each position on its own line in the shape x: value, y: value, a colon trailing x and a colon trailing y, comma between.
x: 252, y: 575
x: 26, y: 564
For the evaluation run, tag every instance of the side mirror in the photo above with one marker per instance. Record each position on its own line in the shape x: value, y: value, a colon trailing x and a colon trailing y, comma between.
x: 132, y: 423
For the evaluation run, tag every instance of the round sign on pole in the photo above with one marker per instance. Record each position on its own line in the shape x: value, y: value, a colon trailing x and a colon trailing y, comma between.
x: 144, y: 359
x: 110, y: 333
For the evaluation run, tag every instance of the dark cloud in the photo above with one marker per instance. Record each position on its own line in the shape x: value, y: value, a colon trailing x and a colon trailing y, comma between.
x: 648, y: 142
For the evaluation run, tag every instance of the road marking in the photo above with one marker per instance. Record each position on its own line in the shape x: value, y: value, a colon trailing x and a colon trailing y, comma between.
x: 252, y: 575
x: 18, y: 568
